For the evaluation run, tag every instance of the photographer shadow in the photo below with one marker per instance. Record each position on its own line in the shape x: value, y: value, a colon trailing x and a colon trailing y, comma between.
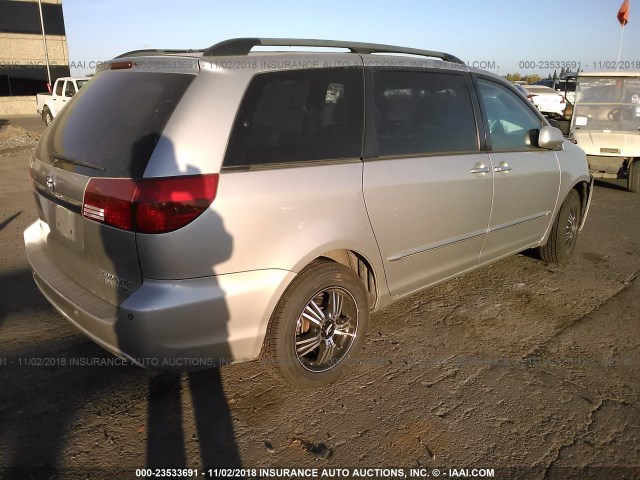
x: 166, y: 445
x: 213, y: 421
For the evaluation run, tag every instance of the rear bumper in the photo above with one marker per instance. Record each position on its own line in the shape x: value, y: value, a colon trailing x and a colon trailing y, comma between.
x: 170, y: 325
x: 551, y: 109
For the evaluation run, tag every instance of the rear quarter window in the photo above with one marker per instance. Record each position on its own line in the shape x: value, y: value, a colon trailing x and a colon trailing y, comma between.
x: 299, y: 116
x: 115, y: 121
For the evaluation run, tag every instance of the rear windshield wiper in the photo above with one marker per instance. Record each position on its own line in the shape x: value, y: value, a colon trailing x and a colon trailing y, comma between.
x: 61, y: 158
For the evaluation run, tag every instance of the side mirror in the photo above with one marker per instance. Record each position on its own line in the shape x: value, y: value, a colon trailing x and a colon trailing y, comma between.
x: 550, y: 138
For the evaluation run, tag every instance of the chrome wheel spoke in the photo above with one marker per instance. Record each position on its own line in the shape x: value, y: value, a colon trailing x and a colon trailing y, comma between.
x: 344, y: 332
x: 313, y: 306
x: 343, y: 322
x: 308, y: 345
x: 571, y: 228
x: 326, y: 351
x: 313, y: 313
x: 336, y: 304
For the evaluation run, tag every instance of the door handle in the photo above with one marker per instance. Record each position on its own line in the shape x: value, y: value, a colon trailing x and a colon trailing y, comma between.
x: 503, y: 167
x: 481, y: 169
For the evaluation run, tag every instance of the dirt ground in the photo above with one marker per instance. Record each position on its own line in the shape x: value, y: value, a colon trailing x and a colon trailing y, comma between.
x: 526, y: 368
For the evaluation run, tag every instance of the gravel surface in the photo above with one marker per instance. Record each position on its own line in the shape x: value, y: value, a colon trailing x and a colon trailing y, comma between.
x: 526, y: 368
x: 12, y: 138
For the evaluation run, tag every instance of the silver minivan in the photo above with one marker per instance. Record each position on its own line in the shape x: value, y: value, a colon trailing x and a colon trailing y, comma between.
x: 206, y: 207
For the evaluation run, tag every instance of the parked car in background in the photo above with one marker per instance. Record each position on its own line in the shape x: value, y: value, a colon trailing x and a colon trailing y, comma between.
x: 49, y: 104
x: 546, y: 99
x: 566, y: 86
x: 606, y: 124
x: 193, y: 215
x: 521, y: 88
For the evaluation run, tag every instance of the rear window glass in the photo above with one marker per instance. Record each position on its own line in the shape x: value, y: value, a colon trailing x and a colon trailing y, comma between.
x: 423, y: 113
x: 298, y: 116
x: 114, y: 122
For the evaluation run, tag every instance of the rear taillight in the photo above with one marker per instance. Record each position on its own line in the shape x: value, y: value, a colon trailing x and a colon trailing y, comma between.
x: 149, y: 205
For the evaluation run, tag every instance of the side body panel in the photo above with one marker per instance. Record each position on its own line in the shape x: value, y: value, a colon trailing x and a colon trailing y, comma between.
x: 524, y: 200
x: 429, y: 214
x: 271, y: 217
x: 279, y: 218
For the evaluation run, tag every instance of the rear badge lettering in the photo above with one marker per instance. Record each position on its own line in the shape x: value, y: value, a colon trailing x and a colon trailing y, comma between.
x: 111, y: 279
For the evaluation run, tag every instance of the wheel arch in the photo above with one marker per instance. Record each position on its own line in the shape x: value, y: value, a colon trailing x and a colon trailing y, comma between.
x: 584, y: 188
x: 585, y: 191
x: 361, y: 266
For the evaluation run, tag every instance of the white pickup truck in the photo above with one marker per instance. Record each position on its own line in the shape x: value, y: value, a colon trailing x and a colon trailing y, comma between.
x: 49, y: 104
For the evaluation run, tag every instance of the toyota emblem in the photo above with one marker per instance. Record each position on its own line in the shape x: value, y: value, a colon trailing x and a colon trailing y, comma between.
x: 51, y: 185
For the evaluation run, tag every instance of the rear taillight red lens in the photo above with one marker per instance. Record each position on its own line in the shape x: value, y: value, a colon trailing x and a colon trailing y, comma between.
x: 149, y: 205
x: 111, y: 201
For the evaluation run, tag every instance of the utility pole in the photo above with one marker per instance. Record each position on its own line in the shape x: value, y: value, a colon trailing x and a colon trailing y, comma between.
x: 44, y: 40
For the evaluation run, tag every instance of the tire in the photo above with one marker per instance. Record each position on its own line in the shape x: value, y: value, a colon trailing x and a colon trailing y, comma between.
x: 310, y: 347
x: 46, y: 116
x: 561, y: 245
x: 634, y: 176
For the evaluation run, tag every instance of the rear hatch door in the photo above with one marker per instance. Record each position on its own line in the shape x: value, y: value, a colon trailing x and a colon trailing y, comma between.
x: 108, y: 130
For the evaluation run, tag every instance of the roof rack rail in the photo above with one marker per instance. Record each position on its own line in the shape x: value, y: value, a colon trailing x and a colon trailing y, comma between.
x: 242, y: 46
x: 153, y: 52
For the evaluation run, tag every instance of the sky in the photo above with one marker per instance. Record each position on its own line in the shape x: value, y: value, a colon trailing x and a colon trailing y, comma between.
x: 503, y: 36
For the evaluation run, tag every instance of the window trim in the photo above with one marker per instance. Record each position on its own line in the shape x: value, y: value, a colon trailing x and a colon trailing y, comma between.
x: 284, y: 165
x: 543, y: 121
x: 300, y: 163
x: 371, y: 147
x: 69, y: 85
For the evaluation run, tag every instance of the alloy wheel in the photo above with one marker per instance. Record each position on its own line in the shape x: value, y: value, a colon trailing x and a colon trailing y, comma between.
x: 326, y: 329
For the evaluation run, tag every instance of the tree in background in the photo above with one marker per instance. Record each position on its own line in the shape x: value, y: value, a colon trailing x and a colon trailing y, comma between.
x: 518, y: 77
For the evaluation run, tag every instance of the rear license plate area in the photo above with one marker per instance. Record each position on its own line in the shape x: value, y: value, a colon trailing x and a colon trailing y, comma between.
x: 66, y: 223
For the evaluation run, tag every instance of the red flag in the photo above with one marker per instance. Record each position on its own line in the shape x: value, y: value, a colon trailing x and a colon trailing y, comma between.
x: 623, y: 13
